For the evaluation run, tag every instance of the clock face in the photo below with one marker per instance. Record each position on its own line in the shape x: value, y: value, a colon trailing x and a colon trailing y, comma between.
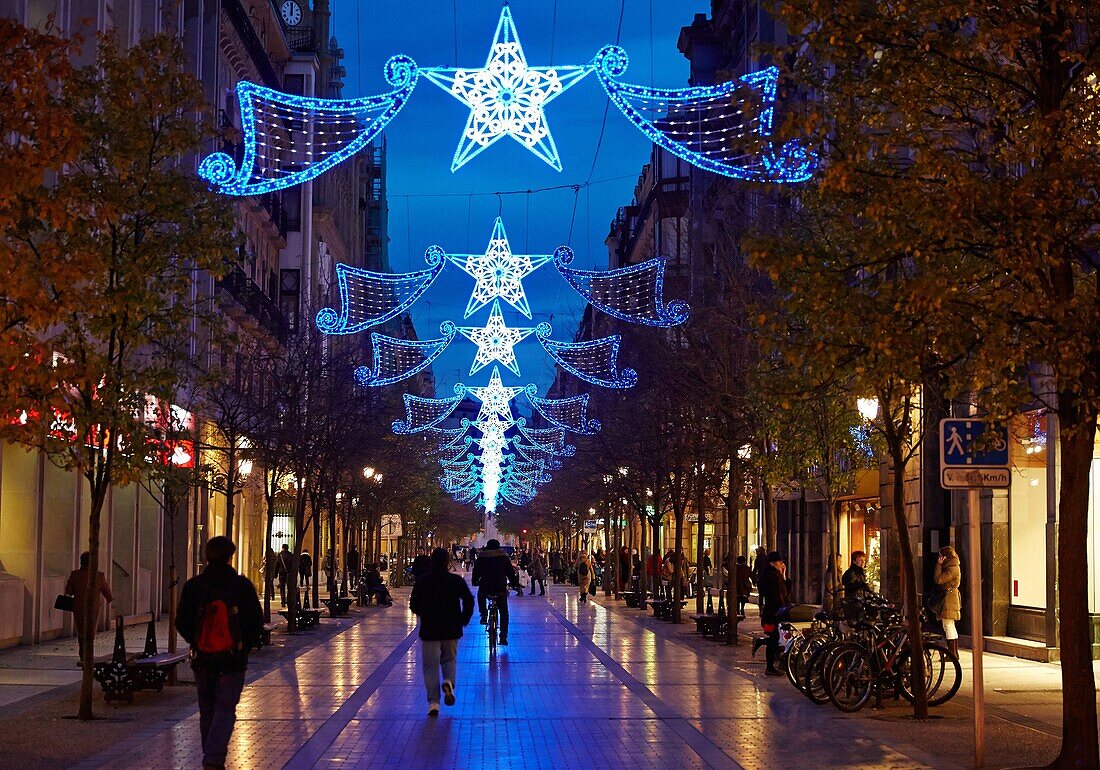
x: 291, y: 12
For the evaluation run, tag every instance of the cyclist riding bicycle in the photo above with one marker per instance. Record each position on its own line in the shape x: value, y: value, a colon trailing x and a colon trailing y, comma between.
x: 493, y: 573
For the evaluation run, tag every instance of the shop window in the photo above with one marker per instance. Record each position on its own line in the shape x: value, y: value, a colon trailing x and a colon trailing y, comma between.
x: 1094, y: 525
x: 864, y: 535
x: 1027, y: 511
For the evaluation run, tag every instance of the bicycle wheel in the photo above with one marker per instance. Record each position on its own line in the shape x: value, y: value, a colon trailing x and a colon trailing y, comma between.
x: 791, y: 663
x: 800, y: 658
x: 849, y: 677
x: 491, y: 628
x: 942, y: 674
x: 813, y: 682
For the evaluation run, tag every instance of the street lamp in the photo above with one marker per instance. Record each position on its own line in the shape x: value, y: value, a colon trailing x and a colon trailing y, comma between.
x: 868, y: 408
x: 368, y: 472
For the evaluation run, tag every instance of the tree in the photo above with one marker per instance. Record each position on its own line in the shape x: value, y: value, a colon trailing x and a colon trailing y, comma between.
x: 119, y: 276
x: 961, y: 164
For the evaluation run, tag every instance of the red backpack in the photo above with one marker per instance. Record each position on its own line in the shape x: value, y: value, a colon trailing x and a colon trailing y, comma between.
x: 218, y: 643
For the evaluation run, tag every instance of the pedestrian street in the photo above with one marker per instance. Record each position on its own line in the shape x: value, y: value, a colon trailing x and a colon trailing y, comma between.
x: 577, y: 686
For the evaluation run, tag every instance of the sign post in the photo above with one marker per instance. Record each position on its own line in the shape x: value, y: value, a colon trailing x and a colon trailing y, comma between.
x: 974, y: 456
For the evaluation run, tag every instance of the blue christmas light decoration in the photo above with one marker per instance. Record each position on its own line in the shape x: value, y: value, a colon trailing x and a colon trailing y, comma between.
x: 495, y: 341
x: 494, y: 398
x: 506, y: 97
x: 595, y: 361
x: 551, y: 439
x: 291, y: 139
x: 718, y: 128
x: 397, y: 359
x: 570, y: 414
x: 498, y: 272
x: 424, y: 413
x: 634, y: 293
x: 368, y: 298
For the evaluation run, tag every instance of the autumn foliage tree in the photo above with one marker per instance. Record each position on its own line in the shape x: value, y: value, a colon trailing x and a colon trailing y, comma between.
x: 960, y: 166
x: 103, y: 319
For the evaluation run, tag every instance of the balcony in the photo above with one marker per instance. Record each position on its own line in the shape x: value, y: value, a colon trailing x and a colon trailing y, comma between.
x: 299, y: 39
x: 239, y: 287
x: 242, y: 25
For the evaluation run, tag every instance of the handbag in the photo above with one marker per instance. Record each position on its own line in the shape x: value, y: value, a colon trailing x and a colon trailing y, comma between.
x: 592, y: 587
x: 63, y: 602
x: 935, y: 600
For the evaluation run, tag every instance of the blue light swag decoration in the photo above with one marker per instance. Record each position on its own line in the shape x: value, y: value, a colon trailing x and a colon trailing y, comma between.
x: 279, y: 150
x: 634, y: 293
x: 498, y: 272
x: 569, y: 414
x: 595, y: 362
x: 719, y: 128
x: 506, y: 97
x: 368, y: 298
x: 725, y: 129
x: 396, y: 359
x: 424, y: 413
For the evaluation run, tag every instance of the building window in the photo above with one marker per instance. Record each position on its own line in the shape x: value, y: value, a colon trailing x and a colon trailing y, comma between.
x: 1027, y: 510
x: 289, y: 291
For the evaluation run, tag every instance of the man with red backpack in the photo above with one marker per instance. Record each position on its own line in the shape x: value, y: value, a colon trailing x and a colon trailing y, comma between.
x: 221, y: 618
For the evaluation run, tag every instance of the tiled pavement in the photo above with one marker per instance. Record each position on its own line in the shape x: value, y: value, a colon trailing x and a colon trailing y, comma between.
x: 579, y: 686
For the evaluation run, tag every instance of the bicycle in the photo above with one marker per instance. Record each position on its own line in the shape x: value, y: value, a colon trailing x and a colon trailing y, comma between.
x: 491, y: 623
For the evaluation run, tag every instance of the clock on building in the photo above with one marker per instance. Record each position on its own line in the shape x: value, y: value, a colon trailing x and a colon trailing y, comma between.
x: 291, y: 12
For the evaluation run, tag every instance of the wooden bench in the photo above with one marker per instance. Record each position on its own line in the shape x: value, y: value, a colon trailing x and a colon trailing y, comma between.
x: 633, y: 599
x: 338, y: 606
x: 122, y: 674
x: 305, y: 619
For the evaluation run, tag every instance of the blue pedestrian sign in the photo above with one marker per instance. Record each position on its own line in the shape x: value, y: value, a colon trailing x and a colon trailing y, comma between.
x: 973, y: 454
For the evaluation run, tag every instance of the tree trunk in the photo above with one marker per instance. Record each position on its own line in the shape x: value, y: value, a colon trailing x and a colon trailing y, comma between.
x: 230, y: 489
x: 643, y: 578
x: 909, y: 576
x: 678, y: 563
x: 318, y: 556
x: 770, y: 522
x: 269, y: 577
x: 1077, y: 429
x: 700, y: 506
x: 98, y: 493
x: 730, y: 558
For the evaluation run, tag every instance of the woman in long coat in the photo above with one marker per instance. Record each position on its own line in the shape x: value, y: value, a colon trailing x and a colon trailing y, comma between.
x: 77, y: 587
x: 948, y: 576
x: 583, y: 566
x: 538, y: 572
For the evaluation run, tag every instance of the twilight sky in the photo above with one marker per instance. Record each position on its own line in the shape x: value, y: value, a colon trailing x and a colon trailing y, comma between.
x: 430, y: 205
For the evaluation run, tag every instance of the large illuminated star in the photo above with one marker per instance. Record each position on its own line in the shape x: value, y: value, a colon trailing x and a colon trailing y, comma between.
x: 506, y: 97
x: 495, y: 341
x: 494, y: 398
x: 498, y: 272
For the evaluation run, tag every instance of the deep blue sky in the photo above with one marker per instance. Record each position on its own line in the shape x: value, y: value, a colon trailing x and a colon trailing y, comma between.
x: 423, y: 137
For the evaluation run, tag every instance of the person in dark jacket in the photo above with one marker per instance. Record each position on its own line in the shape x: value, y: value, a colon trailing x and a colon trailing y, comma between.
x: 445, y: 605
x: 854, y: 579
x: 77, y: 587
x: 493, y: 573
x: 774, y: 594
x: 421, y: 566
x: 305, y: 568
x: 743, y: 576
x: 219, y: 677
x: 351, y: 561
x: 555, y: 565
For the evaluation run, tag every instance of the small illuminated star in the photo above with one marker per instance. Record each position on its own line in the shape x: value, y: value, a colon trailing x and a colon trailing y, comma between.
x: 498, y: 272
x: 494, y: 398
x: 495, y: 341
x: 506, y: 97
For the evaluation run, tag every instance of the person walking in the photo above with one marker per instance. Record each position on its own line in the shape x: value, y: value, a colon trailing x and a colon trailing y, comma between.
x: 948, y: 576
x: 538, y: 573
x: 77, y: 586
x: 774, y: 596
x: 555, y: 565
x: 444, y: 604
x: 305, y: 568
x: 351, y: 561
x: 221, y: 618
x: 583, y: 565
x: 284, y: 568
x: 743, y: 576
x: 708, y: 565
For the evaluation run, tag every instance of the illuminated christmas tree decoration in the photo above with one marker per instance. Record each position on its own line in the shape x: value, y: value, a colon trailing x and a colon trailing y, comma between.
x: 498, y: 272
x: 506, y: 97
x: 596, y: 361
x: 570, y: 414
x: 723, y: 129
x: 495, y: 341
x: 494, y: 398
x: 397, y: 359
x: 551, y: 439
x: 634, y: 293
x: 368, y: 298
x: 289, y: 139
x: 424, y: 413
